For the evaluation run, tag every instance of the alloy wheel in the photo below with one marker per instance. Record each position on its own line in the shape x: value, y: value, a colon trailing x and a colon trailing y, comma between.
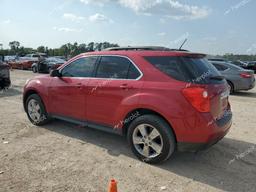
x: 147, y: 140
x: 34, y: 110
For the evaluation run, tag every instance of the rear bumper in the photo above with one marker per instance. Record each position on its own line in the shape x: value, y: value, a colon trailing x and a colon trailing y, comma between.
x: 245, y: 84
x: 194, y: 147
x: 223, y: 125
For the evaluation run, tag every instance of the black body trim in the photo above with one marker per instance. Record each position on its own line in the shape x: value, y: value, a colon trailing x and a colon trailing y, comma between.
x: 89, y: 124
x: 225, y: 119
x: 195, y: 147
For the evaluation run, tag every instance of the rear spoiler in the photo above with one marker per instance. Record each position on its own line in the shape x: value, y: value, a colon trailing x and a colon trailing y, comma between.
x: 195, y: 55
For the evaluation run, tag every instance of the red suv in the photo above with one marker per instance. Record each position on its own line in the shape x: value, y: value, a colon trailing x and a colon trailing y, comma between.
x: 160, y: 99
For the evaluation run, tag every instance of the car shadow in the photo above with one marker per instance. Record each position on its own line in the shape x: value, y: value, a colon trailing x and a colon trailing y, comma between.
x: 245, y: 94
x: 230, y: 165
x: 12, y: 91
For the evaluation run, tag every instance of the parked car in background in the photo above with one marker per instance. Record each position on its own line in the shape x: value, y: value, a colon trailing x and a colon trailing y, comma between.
x: 45, y: 66
x: 252, y: 65
x: 9, y: 58
x: 240, y: 64
x: 34, y: 56
x: 160, y: 99
x: 238, y: 78
x: 217, y: 59
x: 61, y: 57
x: 5, y: 81
x: 21, y: 63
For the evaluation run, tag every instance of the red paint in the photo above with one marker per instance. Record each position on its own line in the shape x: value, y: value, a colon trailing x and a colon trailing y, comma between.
x: 25, y: 64
x: 190, y: 114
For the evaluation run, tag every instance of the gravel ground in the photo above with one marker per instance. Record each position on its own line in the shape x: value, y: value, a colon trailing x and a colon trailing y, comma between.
x: 65, y: 157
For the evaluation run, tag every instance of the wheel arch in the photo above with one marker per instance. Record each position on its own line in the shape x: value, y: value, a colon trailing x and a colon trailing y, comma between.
x: 232, y: 84
x: 27, y: 94
x: 140, y: 112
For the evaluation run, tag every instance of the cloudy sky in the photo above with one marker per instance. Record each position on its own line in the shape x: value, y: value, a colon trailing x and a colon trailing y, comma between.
x: 214, y: 27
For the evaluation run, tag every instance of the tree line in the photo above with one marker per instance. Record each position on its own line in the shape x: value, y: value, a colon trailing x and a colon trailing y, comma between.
x: 66, y: 50
x: 69, y: 50
x: 235, y: 57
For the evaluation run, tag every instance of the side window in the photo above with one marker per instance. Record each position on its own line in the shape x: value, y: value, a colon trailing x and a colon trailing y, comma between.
x: 133, y: 72
x: 113, y: 67
x: 80, y: 68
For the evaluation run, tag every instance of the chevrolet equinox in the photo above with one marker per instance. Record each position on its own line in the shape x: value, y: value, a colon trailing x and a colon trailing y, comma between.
x: 161, y: 99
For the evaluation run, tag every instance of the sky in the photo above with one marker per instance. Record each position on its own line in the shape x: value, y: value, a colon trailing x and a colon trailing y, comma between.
x: 211, y: 26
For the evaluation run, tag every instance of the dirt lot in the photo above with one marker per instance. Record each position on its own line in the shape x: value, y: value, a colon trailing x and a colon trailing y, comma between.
x: 65, y: 157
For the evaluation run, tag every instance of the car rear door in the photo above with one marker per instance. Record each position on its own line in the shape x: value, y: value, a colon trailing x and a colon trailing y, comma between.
x: 68, y: 93
x: 116, y: 79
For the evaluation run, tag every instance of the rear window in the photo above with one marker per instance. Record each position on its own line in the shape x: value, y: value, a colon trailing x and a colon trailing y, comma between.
x: 236, y: 66
x: 188, y: 69
x: 220, y: 67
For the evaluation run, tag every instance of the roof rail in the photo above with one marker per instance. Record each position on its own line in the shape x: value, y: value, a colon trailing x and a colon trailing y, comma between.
x: 142, y: 48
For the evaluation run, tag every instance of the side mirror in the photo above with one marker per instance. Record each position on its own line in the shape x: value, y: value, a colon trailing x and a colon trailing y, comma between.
x: 55, y: 73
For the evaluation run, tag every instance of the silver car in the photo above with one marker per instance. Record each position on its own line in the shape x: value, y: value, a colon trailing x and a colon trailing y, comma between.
x: 237, y: 77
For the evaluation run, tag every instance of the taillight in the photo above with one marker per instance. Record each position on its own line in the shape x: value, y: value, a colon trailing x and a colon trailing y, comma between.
x: 198, y: 97
x: 245, y: 75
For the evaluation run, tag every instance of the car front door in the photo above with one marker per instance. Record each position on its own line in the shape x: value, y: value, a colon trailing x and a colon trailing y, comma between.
x: 68, y: 92
x: 116, y: 78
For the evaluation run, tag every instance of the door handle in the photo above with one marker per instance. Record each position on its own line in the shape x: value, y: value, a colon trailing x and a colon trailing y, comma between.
x: 79, y: 85
x: 125, y: 86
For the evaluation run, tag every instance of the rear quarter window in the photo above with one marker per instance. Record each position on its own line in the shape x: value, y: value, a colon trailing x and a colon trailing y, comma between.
x: 187, y: 69
x: 220, y: 67
x: 169, y: 65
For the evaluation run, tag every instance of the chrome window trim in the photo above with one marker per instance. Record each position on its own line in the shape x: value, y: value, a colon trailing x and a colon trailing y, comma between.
x: 122, y: 56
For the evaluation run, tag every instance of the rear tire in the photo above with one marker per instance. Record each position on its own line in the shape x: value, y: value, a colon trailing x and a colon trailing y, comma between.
x: 36, y: 111
x: 231, y: 87
x: 151, y: 139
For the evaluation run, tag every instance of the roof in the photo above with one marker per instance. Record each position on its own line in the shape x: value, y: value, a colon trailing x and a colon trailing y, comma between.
x: 143, y: 48
x: 145, y: 51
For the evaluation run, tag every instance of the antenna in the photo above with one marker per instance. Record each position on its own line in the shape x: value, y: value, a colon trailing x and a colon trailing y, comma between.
x: 183, y: 43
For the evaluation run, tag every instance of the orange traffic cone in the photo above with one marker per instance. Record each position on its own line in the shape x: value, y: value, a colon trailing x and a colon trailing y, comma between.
x: 112, y: 186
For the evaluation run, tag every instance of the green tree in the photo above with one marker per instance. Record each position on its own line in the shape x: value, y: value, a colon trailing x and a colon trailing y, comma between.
x: 41, y: 49
x: 90, y: 46
x: 14, y: 45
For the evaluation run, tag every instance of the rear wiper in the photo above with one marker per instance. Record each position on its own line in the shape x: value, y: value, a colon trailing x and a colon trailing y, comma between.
x: 217, y: 77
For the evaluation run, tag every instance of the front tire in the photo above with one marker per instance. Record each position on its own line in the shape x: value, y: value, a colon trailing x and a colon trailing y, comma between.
x: 36, y: 111
x: 34, y: 69
x: 151, y: 139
